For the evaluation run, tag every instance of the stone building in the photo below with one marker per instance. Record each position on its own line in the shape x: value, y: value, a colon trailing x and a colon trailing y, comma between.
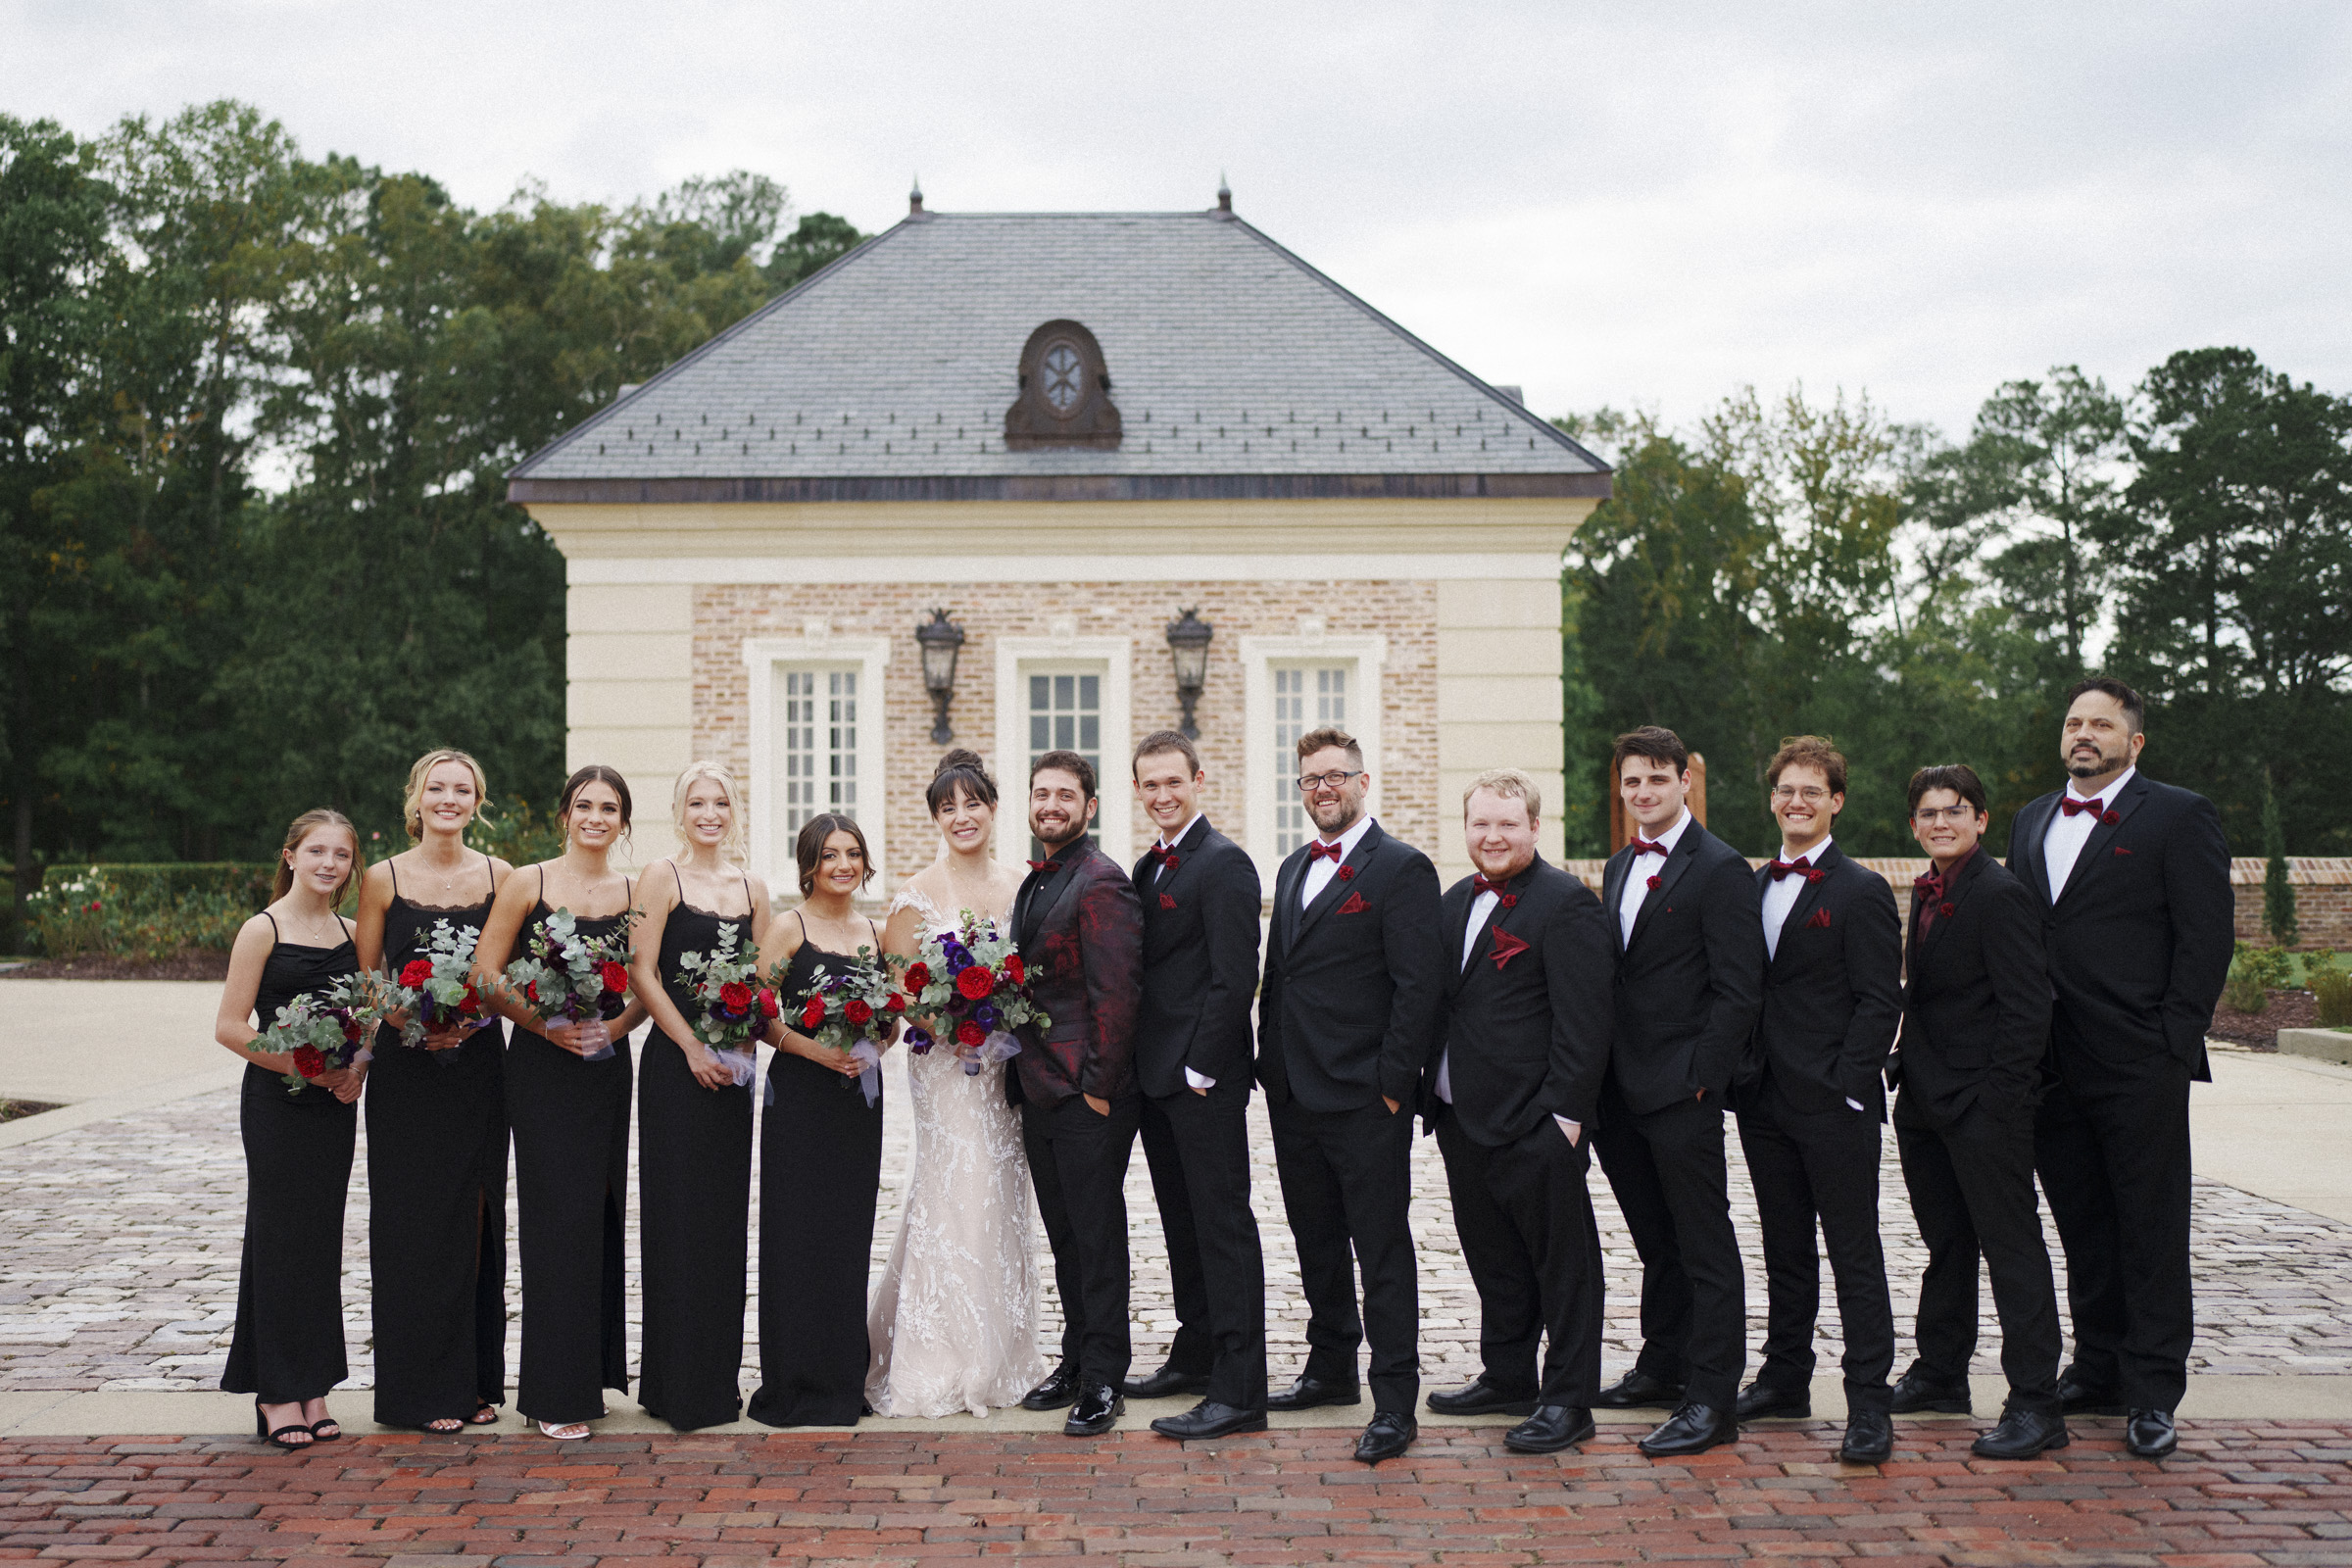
x: 1066, y: 430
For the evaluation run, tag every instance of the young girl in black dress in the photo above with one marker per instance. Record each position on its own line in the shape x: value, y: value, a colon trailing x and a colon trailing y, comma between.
x: 694, y: 1141
x: 436, y: 1130
x: 567, y: 1100
x: 820, y: 1156
x: 287, y: 1351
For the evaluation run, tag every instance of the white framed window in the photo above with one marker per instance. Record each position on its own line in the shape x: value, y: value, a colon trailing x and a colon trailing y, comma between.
x: 1064, y: 693
x: 1293, y: 685
x: 816, y: 744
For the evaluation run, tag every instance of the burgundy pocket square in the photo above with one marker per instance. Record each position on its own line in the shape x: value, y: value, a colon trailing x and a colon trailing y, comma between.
x: 1506, y: 947
x: 1356, y: 904
x: 2119, y: 850
x: 1167, y: 900
x: 1819, y: 919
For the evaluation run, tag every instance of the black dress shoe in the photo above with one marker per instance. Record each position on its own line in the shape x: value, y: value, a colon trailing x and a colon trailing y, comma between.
x: 1480, y: 1398
x: 2022, y: 1435
x: 1914, y: 1391
x: 2078, y: 1396
x: 1758, y: 1403
x: 1097, y: 1410
x: 2149, y: 1434
x: 1057, y: 1392
x: 1309, y: 1391
x: 1387, y: 1436
x: 1165, y: 1384
x: 1869, y: 1438
x: 1209, y: 1419
x: 1550, y: 1429
x: 1693, y: 1429
x: 1636, y: 1390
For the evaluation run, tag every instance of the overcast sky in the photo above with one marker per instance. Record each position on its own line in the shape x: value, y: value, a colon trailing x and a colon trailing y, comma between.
x: 1630, y: 204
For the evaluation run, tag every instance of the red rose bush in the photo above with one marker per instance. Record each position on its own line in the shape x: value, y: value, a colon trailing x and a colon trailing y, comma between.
x: 972, y: 988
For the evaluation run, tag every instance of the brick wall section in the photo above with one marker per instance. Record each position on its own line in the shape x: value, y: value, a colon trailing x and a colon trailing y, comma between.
x: 1403, y: 611
x: 2323, y: 894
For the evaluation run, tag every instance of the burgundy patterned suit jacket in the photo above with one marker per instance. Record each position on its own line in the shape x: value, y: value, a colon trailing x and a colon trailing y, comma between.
x: 1081, y: 933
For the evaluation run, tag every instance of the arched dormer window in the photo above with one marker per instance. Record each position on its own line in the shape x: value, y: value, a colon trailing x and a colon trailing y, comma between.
x: 1066, y: 392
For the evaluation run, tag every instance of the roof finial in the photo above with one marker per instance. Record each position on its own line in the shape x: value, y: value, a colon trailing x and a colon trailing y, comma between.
x: 1224, y: 193
x: 914, y: 198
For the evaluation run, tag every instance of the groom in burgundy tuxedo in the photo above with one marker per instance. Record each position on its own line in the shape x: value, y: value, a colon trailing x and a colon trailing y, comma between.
x: 1081, y: 934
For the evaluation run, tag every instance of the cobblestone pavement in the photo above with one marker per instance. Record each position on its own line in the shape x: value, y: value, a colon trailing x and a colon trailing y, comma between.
x: 119, y: 1247
x: 2237, y: 1495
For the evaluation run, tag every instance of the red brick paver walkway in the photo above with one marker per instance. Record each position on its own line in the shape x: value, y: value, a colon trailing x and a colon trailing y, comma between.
x: 2238, y: 1496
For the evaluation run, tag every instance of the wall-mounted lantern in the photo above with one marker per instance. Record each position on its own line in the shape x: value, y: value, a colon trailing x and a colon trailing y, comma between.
x: 940, y: 641
x: 1188, y: 641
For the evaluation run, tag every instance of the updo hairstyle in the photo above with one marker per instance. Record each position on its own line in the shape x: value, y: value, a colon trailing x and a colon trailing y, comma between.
x: 959, y: 769
x: 412, y: 800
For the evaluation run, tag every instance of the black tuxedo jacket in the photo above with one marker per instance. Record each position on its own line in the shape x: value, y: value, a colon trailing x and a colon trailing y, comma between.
x: 1355, y: 984
x: 1833, y: 990
x: 2140, y: 938
x: 1977, y: 1008
x: 1081, y: 936
x: 1527, y: 1028
x: 1200, y: 962
x: 1690, y: 982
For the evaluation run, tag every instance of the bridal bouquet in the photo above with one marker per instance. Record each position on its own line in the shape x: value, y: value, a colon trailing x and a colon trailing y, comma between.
x: 434, y: 990
x: 973, y: 986
x: 849, y: 1011
x: 571, y: 977
x: 731, y: 1010
x: 328, y: 1030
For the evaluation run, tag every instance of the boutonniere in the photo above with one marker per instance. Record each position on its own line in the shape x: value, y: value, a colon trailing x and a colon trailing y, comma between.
x: 1814, y: 873
x: 1509, y: 901
x: 1347, y: 873
x: 1167, y: 900
x: 2119, y: 850
x: 1356, y: 904
x: 2111, y: 815
x: 1506, y: 947
x: 1654, y: 881
x: 1819, y: 919
x: 1944, y: 910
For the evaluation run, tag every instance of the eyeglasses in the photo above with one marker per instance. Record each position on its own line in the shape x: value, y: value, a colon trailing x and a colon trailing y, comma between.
x: 1309, y: 782
x: 1812, y: 794
x: 1930, y: 815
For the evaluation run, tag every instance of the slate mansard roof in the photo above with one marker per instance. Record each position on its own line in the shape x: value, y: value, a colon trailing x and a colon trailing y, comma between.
x: 1237, y: 369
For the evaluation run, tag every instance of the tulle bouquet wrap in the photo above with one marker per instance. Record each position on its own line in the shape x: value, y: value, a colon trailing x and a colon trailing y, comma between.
x: 852, y: 1011
x: 972, y: 986
x: 434, y: 990
x: 326, y: 1031
x: 567, y: 976
x: 731, y: 1008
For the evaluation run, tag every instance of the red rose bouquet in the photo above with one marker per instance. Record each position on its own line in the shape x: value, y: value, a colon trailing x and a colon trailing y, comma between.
x: 328, y: 1030
x: 973, y: 988
x: 568, y: 976
x: 733, y: 1007
x: 434, y: 991
x: 852, y: 1011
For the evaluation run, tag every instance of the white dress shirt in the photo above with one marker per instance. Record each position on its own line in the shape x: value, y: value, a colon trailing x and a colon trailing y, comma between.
x: 1638, y: 875
x: 1321, y: 870
x: 1160, y: 874
x: 2063, y: 839
x: 1482, y: 910
x: 1782, y: 893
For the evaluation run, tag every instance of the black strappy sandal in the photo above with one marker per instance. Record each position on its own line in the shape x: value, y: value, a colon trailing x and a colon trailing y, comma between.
x: 262, y: 1432
x: 485, y: 1414
x: 326, y: 1436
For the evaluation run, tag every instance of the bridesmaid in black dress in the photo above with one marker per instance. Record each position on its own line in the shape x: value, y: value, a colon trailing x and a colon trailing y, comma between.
x: 820, y: 1157
x: 436, y: 1130
x: 694, y: 1139
x: 287, y: 1351
x: 567, y: 1100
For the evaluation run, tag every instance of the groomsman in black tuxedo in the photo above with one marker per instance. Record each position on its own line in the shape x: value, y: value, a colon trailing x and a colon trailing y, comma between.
x: 1527, y: 1041
x: 1347, y: 1018
x: 1976, y: 1015
x: 2133, y: 877
x: 1809, y: 1124
x: 1200, y: 893
x: 1690, y: 983
x: 1081, y: 935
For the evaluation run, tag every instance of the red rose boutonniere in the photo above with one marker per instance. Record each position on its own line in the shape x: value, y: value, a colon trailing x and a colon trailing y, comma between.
x: 1654, y: 881
x: 1506, y: 947
x: 1815, y: 873
x: 1347, y: 873
x: 1944, y: 910
x: 2111, y: 816
x: 1509, y: 901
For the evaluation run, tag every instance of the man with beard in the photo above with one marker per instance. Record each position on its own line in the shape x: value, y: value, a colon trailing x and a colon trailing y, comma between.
x: 1080, y: 931
x: 1347, y: 1017
x: 2134, y: 879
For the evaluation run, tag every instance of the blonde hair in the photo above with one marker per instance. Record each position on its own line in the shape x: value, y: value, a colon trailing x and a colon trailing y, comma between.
x: 412, y: 800
x: 303, y: 827
x: 734, y: 844
x: 1511, y: 785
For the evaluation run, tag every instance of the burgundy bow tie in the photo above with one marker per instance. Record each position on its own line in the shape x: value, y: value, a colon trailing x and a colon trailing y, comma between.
x: 1482, y: 884
x: 1046, y: 866
x: 1642, y: 845
x: 2074, y: 807
x: 1781, y: 868
x: 1928, y: 883
x: 1163, y: 854
x: 1320, y: 850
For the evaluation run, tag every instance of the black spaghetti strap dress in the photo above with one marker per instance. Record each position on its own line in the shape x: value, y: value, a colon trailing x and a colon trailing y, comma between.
x: 437, y: 1187
x: 288, y: 1344
x: 821, y: 1172
x: 572, y: 1178
x: 694, y: 1205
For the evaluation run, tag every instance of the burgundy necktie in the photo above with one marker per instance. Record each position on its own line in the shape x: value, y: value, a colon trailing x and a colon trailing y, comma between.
x: 2074, y: 807
x: 1320, y: 850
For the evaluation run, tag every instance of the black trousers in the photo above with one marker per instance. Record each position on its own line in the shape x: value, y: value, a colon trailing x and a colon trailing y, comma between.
x: 1347, y: 1189
x: 2113, y: 1153
x: 1198, y: 1147
x: 1525, y: 1217
x: 1078, y: 1163
x: 1667, y: 1169
x: 1972, y: 1191
x: 1820, y: 1168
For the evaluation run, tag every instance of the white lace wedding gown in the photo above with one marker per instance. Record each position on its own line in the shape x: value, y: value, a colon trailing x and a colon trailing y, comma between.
x: 953, y: 1318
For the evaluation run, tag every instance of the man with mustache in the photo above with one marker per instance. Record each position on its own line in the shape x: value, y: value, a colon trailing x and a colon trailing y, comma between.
x: 2134, y: 879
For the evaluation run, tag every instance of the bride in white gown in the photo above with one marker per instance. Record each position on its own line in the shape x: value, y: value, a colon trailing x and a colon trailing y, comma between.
x: 954, y: 1319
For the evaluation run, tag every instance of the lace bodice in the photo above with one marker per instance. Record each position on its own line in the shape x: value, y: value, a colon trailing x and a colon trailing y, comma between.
x: 954, y: 1319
